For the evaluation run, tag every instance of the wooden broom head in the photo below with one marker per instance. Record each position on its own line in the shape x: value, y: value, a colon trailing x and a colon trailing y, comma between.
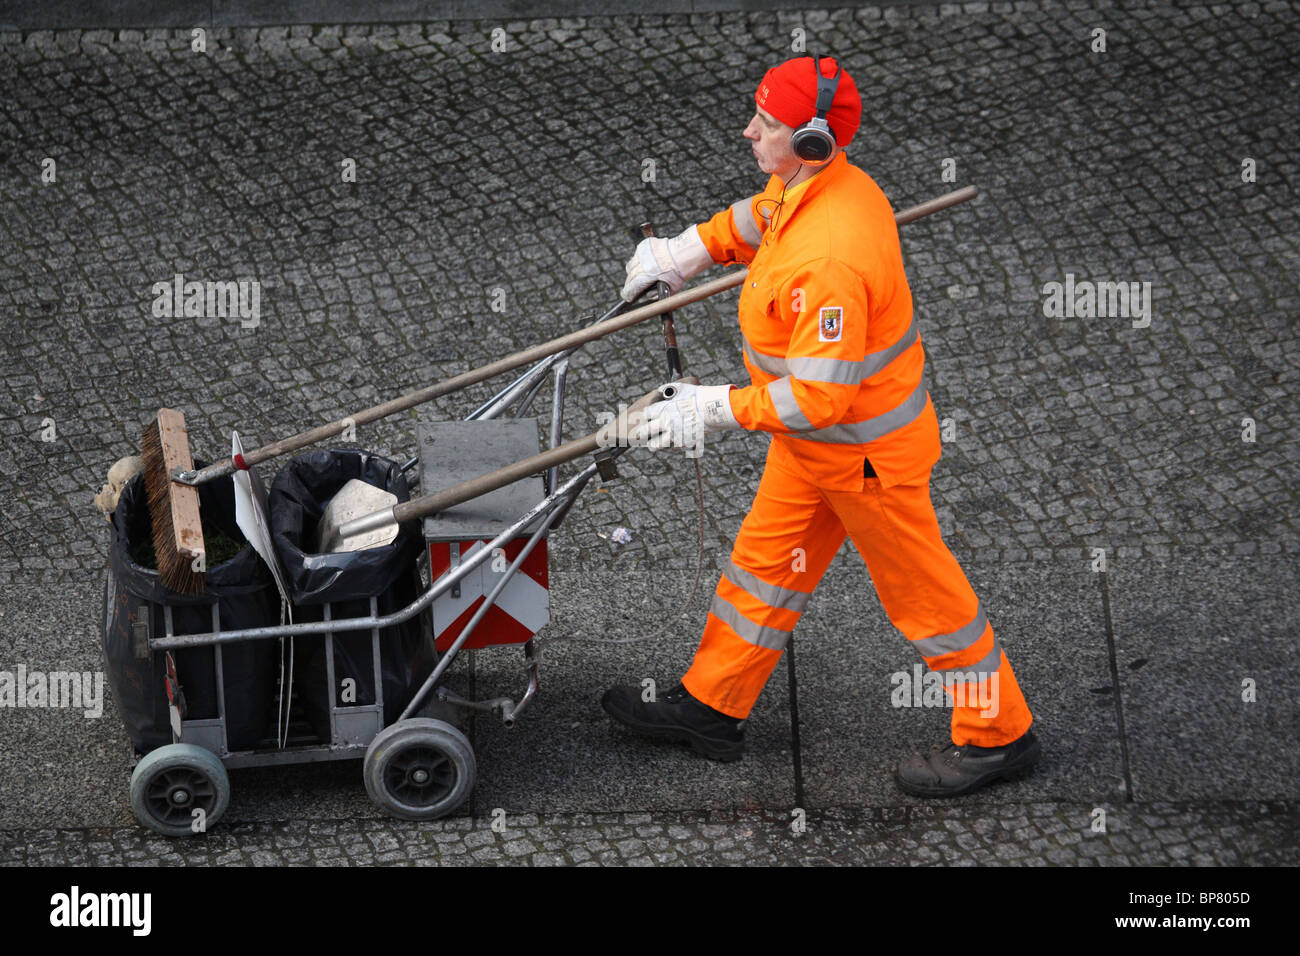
x: 173, y: 508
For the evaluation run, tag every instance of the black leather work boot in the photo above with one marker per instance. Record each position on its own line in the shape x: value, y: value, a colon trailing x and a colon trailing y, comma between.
x: 677, y: 715
x: 956, y: 770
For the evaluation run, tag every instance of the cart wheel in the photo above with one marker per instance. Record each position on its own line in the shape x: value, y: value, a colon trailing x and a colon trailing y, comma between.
x: 419, y: 769
x: 170, y: 783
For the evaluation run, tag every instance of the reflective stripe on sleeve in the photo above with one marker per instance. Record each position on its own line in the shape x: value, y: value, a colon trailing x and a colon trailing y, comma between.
x: 743, y: 217
x: 859, y: 433
x: 832, y: 371
x: 771, y: 364
x: 787, y: 407
x: 875, y: 361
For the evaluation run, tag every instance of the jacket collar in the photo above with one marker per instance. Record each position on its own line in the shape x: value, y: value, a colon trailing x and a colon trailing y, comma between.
x: 807, y: 190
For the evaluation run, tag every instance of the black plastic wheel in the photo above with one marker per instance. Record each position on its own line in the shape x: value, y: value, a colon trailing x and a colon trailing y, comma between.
x: 419, y: 769
x: 169, y: 784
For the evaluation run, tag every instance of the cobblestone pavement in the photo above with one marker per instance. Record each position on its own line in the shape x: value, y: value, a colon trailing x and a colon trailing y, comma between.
x: 1030, y: 835
x: 509, y: 179
x: 520, y: 171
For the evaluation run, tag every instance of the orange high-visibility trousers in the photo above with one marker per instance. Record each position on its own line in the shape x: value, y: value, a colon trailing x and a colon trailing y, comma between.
x: 786, y: 542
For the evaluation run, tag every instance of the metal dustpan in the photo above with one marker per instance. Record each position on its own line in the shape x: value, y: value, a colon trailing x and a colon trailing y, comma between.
x: 353, y: 500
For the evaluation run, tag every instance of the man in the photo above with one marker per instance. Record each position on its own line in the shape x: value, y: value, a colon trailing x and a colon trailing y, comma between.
x: 835, y: 362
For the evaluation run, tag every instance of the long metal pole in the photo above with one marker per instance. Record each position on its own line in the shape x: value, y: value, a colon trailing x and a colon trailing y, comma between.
x: 456, y: 382
x: 574, y: 339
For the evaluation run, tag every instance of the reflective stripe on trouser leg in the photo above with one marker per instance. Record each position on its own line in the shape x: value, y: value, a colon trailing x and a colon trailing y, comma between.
x: 978, y: 678
x: 926, y: 595
x: 785, y: 544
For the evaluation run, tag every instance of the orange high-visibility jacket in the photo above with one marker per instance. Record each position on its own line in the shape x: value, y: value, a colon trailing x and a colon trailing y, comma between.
x: 833, y: 353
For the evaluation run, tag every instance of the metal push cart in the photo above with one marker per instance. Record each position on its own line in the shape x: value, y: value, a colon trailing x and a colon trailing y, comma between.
x: 422, y: 766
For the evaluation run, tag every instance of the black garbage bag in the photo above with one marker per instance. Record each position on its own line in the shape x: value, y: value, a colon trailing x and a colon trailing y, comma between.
x: 347, y: 581
x: 245, y: 596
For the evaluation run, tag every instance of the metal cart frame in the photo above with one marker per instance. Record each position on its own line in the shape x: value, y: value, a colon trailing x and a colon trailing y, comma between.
x: 419, y: 767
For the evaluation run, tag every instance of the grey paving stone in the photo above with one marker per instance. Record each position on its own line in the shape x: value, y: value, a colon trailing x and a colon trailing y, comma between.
x: 1194, y: 641
x: 577, y: 758
x: 1050, y: 619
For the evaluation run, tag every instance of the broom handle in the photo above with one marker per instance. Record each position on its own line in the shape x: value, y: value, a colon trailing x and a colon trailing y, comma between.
x: 392, y: 407
x: 572, y: 340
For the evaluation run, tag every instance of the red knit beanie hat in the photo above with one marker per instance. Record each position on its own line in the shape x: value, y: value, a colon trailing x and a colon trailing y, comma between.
x: 789, y: 92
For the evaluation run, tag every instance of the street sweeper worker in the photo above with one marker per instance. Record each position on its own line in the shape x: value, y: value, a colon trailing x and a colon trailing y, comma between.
x: 835, y: 365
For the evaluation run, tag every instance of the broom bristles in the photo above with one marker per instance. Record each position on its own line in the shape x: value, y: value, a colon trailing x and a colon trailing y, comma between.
x: 173, y: 508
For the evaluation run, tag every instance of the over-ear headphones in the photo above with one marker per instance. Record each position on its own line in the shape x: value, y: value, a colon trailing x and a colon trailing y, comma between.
x: 814, y: 142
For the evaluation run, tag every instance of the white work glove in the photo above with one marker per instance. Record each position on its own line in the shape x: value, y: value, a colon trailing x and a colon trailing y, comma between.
x: 666, y: 260
x: 683, y: 420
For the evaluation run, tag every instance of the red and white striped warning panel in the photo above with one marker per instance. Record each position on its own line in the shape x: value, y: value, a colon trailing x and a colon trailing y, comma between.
x: 521, y: 609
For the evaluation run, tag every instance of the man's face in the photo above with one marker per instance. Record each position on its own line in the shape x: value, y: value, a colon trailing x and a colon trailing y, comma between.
x: 771, y: 141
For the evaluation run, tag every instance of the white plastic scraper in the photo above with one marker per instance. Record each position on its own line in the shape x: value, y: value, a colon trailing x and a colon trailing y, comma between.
x: 250, y: 515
